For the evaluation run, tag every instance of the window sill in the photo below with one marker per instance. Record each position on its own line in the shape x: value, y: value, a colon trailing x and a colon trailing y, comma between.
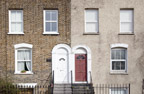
x: 91, y: 33
x: 51, y: 33
x: 21, y: 33
x: 126, y: 34
x: 27, y: 73
x: 118, y: 73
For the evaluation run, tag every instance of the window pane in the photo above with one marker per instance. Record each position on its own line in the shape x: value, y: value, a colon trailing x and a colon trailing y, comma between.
x: 27, y: 55
x: 123, y: 54
x: 126, y: 27
x: 116, y: 65
x: 54, y: 26
x: 13, y: 16
x: 118, y: 91
x: 113, y: 65
x: 19, y: 16
x: 24, y: 55
x: 48, y: 26
x: 123, y: 65
x: 18, y: 27
x: 21, y: 66
x: 126, y: 15
x: 13, y: 27
x: 113, y: 54
x: 28, y: 65
x: 91, y: 15
x: 47, y: 14
x: 117, y: 54
x: 91, y: 27
x: 54, y: 16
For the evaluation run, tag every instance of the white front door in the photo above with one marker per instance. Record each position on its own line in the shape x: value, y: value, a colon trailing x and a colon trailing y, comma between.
x: 61, y: 68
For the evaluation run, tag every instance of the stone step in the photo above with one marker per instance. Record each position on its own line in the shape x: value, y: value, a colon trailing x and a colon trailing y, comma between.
x: 62, y: 85
x: 80, y: 92
x: 62, y: 92
x: 73, y: 89
x: 82, y: 89
x: 62, y: 89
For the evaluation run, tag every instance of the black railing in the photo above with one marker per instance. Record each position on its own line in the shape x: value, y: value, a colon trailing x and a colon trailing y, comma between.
x: 71, y: 77
x: 41, y: 89
x: 112, y: 89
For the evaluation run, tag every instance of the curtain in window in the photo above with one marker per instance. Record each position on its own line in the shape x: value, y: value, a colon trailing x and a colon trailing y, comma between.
x: 27, y: 57
x: 20, y: 66
x: 24, y: 58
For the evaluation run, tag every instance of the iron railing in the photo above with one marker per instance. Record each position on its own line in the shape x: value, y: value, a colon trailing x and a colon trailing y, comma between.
x: 112, y: 89
x: 41, y: 89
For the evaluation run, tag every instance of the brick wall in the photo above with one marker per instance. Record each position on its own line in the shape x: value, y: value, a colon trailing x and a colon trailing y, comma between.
x: 33, y: 29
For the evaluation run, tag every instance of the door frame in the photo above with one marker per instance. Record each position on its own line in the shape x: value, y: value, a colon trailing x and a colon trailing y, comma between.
x: 88, y: 52
x: 54, y: 55
x: 85, y: 63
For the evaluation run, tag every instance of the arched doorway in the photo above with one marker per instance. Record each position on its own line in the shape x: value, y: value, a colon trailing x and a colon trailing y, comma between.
x: 82, y: 64
x: 60, y: 63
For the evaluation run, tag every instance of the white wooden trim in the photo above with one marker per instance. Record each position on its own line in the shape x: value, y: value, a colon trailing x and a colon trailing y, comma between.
x: 53, y: 33
x: 91, y: 21
x: 128, y: 21
x: 54, y: 56
x: 88, y: 52
x: 71, y: 56
x: 61, y: 46
x: 23, y: 45
x: 44, y: 20
x: 119, y: 45
x: 10, y: 23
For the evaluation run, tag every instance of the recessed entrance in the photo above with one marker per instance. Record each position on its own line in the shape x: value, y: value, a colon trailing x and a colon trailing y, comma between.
x: 60, y: 63
x: 71, y: 65
x: 61, y: 72
x: 81, y: 67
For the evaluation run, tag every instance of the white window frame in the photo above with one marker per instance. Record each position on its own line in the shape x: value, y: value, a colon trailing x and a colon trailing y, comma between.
x: 132, y: 22
x: 121, y: 71
x: 22, y: 46
x: 10, y: 23
x: 92, y: 21
x: 44, y: 21
x: 119, y: 46
x: 115, y: 88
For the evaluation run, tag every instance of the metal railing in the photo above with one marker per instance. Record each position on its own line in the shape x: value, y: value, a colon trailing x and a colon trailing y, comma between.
x: 41, y: 89
x: 112, y: 89
x: 71, y: 77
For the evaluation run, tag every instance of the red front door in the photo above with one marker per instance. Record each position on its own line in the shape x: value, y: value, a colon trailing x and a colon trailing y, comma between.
x: 81, y: 67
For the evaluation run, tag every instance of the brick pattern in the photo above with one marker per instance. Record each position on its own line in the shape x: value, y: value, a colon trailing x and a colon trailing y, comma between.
x: 33, y: 29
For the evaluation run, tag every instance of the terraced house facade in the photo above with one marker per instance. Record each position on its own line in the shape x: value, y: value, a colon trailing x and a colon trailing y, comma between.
x: 29, y: 31
x: 84, y: 46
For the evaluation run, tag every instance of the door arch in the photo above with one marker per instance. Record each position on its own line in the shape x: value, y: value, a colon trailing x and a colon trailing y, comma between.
x: 60, y: 63
x: 84, y: 52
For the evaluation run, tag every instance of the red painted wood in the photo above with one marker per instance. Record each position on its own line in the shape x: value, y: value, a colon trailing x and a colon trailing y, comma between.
x: 81, y: 67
